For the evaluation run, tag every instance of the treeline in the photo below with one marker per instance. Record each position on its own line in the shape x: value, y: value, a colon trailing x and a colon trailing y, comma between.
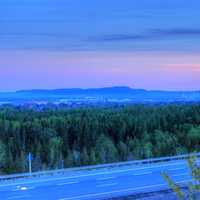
x: 74, y: 137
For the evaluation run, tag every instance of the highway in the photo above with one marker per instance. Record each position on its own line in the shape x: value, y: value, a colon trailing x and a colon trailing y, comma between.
x: 96, y: 184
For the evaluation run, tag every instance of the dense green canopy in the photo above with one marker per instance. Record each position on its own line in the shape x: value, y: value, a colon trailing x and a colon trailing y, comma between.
x: 84, y: 136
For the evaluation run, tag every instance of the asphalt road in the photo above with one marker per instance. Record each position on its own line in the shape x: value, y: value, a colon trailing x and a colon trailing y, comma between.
x: 94, y: 185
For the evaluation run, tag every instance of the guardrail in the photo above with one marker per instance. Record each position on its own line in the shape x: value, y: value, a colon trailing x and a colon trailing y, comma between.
x: 95, y: 167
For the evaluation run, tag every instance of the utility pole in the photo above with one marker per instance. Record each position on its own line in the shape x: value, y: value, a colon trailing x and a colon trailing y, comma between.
x: 30, y: 163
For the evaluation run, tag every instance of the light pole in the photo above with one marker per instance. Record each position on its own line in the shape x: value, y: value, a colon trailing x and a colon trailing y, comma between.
x: 30, y: 163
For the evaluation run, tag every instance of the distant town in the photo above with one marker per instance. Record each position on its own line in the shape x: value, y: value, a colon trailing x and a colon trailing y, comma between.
x: 99, y: 96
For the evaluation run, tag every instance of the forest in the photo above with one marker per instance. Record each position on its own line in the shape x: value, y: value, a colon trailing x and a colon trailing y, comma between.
x: 66, y: 137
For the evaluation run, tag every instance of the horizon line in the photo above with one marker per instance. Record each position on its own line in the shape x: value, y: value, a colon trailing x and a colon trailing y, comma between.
x: 93, y: 88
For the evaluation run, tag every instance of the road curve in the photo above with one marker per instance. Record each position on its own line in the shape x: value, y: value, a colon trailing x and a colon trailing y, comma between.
x: 98, y: 184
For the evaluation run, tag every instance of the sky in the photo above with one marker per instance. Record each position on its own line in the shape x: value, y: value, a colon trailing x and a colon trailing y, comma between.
x: 150, y: 44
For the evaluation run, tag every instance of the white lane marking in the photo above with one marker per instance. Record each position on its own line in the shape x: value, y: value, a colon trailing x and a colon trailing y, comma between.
x: 107, y: 185
x: 144, y: 173
x: 183, y: 174
x: 19, y: 197
x: 69, y: 183
x: 95, y: 174
x: 175, y: 169
x: 23, y: 188
x: 119, y: 191
x: 105, y: 178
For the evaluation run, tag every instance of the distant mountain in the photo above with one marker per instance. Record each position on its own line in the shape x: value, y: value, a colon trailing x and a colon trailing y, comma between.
x: 109, y: 94
x: 79, y: 91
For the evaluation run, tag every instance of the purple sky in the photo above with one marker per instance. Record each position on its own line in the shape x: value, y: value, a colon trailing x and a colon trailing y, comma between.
x: 81, y: 43
x: 152, y: 70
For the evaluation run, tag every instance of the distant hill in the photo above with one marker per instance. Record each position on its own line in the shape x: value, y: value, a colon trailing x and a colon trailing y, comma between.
x: 121, y: 94
x: 79, y: 91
